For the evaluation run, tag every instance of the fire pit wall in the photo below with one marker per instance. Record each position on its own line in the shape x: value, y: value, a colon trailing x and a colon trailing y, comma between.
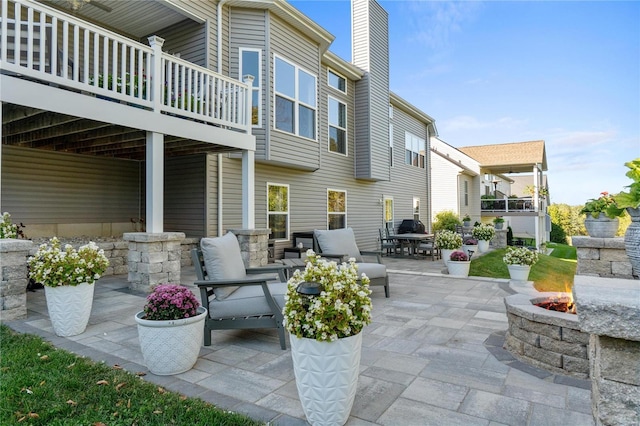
x: 609, y: 309
x: 546, y: 339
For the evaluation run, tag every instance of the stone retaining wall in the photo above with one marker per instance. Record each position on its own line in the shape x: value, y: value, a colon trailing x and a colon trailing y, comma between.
x: 117, y: 251
x: 603, y: 257
x: 546, y: 339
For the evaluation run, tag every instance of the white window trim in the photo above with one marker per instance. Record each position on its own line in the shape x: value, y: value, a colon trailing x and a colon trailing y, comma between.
x: 288, y: 212
x: 413, y: 207
x: 384, y: 210
x: 391, y: 150
x: 259, y: 77
x: 331, y: 71
x: 419, y: 139
x: 346, y: 223
x: 296, y: 102
x: 346, y: 128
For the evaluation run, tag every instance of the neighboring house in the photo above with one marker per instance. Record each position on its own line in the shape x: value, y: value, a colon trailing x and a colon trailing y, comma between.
x: 102, y: 132
x: 456, y: 181
x: 500, y: 164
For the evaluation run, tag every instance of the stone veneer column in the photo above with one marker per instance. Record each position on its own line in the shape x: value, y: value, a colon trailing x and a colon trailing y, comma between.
x: 604, y: 257
x: 500, y: 240
x: 13, y: 278
x: 154, y: 258
x: 609, y: 309
x: 254, y: 245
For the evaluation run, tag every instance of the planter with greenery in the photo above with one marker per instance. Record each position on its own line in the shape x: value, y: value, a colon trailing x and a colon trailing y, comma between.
x: 602, y: 214
x: 498, y: 222
x: 519, y: 261
x: 325, y: 310
x: 459, y: 264
x: 448, y: 241
x: 170, y: 329
x: 68, y: 276
x: 630, y: 200
x: 466, y: 221
x: 483, y: 233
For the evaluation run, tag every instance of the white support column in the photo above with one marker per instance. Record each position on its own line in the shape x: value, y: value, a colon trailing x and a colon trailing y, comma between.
x: 156, y: 71
x: 248, y: 189
x: 155, y: 182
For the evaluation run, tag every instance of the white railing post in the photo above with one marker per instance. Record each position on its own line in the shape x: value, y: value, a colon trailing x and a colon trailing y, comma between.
x: 248, y: 80
x: 156, y: 72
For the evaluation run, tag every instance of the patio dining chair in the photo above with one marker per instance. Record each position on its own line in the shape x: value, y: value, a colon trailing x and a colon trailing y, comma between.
x: 237, y: 297
x: 387, y: 244
x: 341, y: 244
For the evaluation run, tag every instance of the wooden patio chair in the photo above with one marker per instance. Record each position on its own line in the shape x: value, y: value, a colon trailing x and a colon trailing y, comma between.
x: 388, y: 245
x: 237, y: 297
x: 341, y: 244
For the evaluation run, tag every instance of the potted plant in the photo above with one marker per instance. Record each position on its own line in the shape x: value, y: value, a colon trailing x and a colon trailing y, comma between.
x: 448, y: 241
x: 630, y: 200
x: 459, y: 264
x: 8, y: 229
x: 602, y: 214
x: 466, y: 221
x: 519, y: 261
x: 170, y: 329
x: 325, y: 332
x: 484, y: 233
x: 68, y: 276
x: 470, y: 246
x: 498, y: 222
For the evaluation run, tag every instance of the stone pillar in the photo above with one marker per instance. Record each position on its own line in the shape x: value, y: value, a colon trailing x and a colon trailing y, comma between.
x: 604, y: 257
x: 609, y: 309
x: 13, y: 278
x: 153, y: 258
x: 254, y: 245
x: 500, y: 240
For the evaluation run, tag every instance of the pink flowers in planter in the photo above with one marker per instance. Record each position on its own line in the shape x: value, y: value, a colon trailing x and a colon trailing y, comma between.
x: 458, y: 256
x: 170, y: 302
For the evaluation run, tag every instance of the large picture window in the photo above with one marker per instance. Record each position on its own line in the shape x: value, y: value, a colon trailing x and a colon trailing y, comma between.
x: 337, y: 126
x: 295, y: 99
x: 415, y: 149
x: 336, y: 209
x: 278, y: 211
x: 251, y: 64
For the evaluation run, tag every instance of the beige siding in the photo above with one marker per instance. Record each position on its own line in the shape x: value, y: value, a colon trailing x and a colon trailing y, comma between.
x: 445, y: 187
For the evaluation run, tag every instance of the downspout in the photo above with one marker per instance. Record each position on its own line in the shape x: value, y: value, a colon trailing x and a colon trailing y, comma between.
x: 219, y: 70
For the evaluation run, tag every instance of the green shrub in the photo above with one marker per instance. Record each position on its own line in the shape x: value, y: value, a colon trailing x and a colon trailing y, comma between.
x: 557, y: 234
x: 446, y: 219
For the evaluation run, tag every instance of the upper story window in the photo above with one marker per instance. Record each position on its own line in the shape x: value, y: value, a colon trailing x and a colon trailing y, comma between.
x: 337, y: 126
x: 414, y: 150
x: 466, y: 192
x: 278, y: 210
x: 295, y: 99
x: 390, y: 145
x: 336, y: 81
x: 251, y: 64
x: 336, y: 209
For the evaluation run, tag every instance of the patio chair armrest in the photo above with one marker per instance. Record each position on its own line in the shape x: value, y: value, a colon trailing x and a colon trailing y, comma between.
x: 338, y: 257
x: 235, y: 283
x: 274, y: 267
x: 376, y: 253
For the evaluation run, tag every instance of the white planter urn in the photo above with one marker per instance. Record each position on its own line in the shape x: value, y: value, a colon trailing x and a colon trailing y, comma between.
x: 459, y: 268
x: 326, y: 377
x: 470, y: 247
x: 69, y: 308
x: 483, y: 246
x: 519, y: 272
x: 446, y: 253
x: 171, y: 346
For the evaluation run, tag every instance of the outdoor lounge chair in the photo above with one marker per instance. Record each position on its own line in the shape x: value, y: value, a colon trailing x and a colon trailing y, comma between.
x: 340, y: 244
x: 234, y: 298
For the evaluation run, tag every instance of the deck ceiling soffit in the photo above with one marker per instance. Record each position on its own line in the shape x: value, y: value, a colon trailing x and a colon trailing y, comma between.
x: 137, y: 19
x: 39, y: 129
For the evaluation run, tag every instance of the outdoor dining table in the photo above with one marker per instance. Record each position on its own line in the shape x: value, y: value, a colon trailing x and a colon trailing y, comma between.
x: 414, y: 241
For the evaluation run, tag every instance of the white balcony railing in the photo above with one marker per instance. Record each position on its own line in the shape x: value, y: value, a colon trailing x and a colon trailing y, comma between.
x: 39, y: 42
x: 511, y: 205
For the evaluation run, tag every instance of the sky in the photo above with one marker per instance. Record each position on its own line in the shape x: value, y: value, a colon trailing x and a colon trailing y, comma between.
x: 565, y: 72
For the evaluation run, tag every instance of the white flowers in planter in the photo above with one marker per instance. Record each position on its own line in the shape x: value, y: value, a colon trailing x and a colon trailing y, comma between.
x: 483, y: 232
x: 448, y: 240
x: 520, y: 256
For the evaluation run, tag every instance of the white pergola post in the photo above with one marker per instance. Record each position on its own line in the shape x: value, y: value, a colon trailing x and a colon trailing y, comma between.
x: 155, y: 182
x: 248, y: 189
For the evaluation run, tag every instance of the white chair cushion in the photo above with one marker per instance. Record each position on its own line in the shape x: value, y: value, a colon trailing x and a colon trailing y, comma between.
x: 338, y: 241
x: 247, y: 301
x: 372, y: 270
x: 223, y: 261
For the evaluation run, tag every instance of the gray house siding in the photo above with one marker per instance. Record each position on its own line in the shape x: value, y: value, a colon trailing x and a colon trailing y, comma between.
x: 188, y: 39
x: 184, y: 195
x: 47, y: 188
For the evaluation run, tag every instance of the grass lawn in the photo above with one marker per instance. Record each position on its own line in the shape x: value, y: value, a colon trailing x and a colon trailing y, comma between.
x: 553, y: 272
x: 42, y: 385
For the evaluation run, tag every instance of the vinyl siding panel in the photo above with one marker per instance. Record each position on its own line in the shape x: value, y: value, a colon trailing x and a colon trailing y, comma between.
x: 248, y: 30
x: 206, y: 10
x: 185, y: 192
x: 44, y: 187
x: 188, y: 39
x: 445, y: 188
x: 285, y: 148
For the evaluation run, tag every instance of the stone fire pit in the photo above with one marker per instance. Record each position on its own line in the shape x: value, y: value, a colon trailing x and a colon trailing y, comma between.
x: 546, y: 339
